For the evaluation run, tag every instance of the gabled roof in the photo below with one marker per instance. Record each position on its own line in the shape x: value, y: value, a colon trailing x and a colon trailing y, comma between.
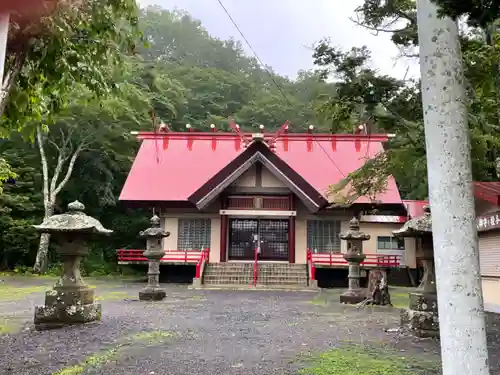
x: 258, y: 152
x: 175, y: 166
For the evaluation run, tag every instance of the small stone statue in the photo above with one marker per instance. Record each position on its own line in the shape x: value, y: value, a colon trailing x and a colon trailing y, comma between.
x: 71, y: 301
x: 154, y: 252
x: 380, y: 295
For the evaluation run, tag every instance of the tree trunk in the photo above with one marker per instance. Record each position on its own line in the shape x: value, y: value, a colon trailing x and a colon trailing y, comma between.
x: 51, y: 190
x: 460, y: 299
x: 42, y: 259
x: 41, y: 262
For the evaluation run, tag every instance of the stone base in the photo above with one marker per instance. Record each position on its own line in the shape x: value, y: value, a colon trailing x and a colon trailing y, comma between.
x: 420, y: 323
x: 313, y: 284
x: 66, y: 306
x: 196, y: 282
x: 352, y: 297
x: 422, y: 317
x: 50, y: 317
x: 152, y: 294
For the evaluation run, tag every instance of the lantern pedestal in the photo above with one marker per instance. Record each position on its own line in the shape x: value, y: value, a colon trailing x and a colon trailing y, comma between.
x: 355, y: 294
x: 66, y: 308
x: 152, y: 294
x: 152, y: 291
x: 71, y: 301
x: 354, y: 257
x: 154, y: 253
x: 421, y: 318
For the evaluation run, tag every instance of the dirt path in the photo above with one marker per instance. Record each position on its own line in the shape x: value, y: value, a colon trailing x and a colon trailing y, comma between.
x: 196, y: 332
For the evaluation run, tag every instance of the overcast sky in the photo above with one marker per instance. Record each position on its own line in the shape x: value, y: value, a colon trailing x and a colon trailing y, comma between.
x: 281, y: 31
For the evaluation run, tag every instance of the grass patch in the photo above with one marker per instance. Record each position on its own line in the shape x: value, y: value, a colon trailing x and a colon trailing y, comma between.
x: 106, y: 356
x: 95, y: 360
x: 151, y: 337
x: 18, y: 275
x: 113, y: 296
x: 319, y: 300
x: 10, y: 292
x: 9, y: 326
x: 368, y: 361
x: 400, y: 300
x: 198, y: 298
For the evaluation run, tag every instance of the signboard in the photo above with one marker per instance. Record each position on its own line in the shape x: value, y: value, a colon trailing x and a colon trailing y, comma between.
x: 488, y: 221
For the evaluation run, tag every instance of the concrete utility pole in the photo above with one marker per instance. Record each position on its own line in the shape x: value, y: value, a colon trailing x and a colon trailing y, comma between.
x: 460, y: 301
x: 4, y: 31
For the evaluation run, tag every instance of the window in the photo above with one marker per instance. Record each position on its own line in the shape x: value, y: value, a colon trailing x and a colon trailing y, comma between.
x: 323, y: 236
x: 194, y: 234
x: 390, y: 243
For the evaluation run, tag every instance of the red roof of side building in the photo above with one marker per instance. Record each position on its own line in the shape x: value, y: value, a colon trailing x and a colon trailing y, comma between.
x: 174, y: 166
x: 487, y: 191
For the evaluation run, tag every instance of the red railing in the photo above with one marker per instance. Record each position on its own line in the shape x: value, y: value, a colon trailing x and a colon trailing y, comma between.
x: 310, y: 266
x: 205, y: 256
x: 255, y: 266
x: 174, y: 256
x: 337, y: 259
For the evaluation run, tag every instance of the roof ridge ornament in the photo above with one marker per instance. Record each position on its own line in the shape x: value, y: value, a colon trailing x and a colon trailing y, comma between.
x: 235, y: 127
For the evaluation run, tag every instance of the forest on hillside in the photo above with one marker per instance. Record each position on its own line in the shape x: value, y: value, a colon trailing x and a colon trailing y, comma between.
x: 70, y: 139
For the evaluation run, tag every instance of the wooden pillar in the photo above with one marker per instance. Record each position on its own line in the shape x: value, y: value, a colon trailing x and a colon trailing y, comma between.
x: 223, y: 231
x: 291, y: 230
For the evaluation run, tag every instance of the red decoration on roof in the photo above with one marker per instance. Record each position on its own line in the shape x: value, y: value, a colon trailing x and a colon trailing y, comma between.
x: 182, y: 171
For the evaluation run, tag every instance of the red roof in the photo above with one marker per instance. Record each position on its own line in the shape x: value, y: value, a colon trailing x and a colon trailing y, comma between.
x: 488, y: 191
x: 172, y: 166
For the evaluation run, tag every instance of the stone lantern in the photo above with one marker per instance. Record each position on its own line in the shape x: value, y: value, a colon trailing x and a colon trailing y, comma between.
x: 422, y: 315
x: 354, y: 256
x: 154, y: 252
x: 71, y: 301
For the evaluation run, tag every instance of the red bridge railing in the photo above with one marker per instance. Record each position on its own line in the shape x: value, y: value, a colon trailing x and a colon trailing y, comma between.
x: 171, y: 256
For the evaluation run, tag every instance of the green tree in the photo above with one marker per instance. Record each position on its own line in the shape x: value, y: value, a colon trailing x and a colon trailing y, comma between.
x: 479, y: 13
x: 69, y: 47
x: 20, y: 204
x: 90, y: 122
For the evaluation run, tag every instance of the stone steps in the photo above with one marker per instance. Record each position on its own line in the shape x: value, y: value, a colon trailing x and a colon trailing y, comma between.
x: 270, y: 275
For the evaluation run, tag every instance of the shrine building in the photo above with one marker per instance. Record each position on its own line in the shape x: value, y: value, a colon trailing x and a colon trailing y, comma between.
x: 254, y: 208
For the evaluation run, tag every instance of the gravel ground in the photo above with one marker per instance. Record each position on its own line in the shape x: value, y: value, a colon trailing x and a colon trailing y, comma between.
x: 212, y: 332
